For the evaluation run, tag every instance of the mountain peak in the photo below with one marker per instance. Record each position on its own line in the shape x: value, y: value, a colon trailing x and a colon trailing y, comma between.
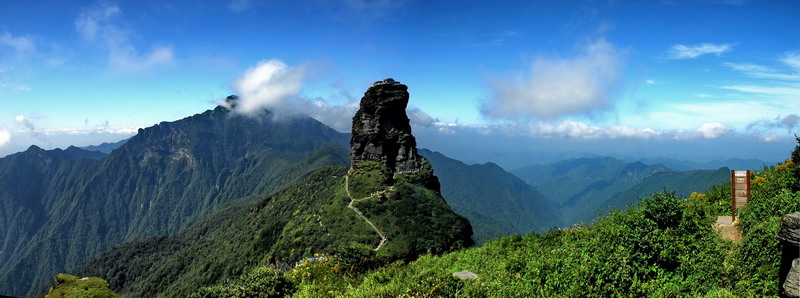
x: 382, y: 134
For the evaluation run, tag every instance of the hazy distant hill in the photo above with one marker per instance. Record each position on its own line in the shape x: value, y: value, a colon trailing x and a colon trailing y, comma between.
x: 683, y: 183
x: 105, y: 147
x: 580, y: 187
x: 733, y: 163
x: 59, y: 211
x: 495, y: 201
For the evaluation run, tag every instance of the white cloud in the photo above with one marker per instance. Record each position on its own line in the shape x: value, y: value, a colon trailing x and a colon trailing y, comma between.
x: 788, y: 71
x: 783, y: 91
x: 713, y: 130
x: 650, y: 82
x: 762, y: 72
x: 580, y: 130
x: 5, y: 137
x: 103, y: 23
x: 269, y: 85
x: 558, y: 86
x: 680, y: 51
x: 792, y: 60
x: 273, y: 86
x: 568, y: 129
x: 20, y: 44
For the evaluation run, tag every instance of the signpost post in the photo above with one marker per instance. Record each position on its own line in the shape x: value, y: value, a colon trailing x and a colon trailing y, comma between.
x: 740, y: 190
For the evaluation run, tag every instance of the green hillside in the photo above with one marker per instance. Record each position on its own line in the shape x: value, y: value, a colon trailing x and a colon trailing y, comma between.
x: 495, y: 202
x: 386, y: 207
x: 665, y: 246
x: 60, y: 208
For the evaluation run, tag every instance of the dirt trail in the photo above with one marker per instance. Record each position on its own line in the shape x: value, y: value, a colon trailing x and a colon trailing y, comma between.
x: 353, y: 200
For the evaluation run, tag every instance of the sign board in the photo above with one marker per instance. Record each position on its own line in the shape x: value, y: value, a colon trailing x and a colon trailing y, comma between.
x: 740, y: 190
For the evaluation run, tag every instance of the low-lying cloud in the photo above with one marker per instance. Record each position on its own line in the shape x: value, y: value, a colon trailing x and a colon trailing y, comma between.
x: 555, y: 87
x: 789, y: 122
x: 272, y: 85
x: 577, y: 130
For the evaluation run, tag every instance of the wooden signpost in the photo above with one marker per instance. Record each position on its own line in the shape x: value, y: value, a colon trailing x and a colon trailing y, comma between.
x: 740, y: 190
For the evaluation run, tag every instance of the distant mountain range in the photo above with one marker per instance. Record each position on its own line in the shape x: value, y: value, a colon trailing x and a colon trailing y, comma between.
x: 105, y: 147
x: 496, y: 202
x: 581, y: 187
x: 59, y: 208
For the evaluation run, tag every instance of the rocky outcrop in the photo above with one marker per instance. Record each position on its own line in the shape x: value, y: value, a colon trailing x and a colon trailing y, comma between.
x: 789, y: 236
x: 791, y: 286
x: 790, y: 229
x: 382, y: 134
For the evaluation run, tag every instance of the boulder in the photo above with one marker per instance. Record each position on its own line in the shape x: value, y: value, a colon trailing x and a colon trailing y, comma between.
x: 791, y: 286
x: 790, y: 229
x: 465, y: 275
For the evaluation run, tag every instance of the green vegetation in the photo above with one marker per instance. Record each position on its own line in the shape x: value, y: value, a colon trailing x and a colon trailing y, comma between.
x: 307, y: 219
x: 68, y: 286
x: 665, y: 246
x: 59, y: 208
x: 496, y: 202
x: 580, y: 187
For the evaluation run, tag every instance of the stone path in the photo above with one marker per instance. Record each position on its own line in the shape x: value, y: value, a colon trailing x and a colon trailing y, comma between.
x: 353, y: 200
x: 726, y: 228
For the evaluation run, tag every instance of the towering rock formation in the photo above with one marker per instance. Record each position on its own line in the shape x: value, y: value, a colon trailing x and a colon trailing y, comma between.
x: 382, y: 134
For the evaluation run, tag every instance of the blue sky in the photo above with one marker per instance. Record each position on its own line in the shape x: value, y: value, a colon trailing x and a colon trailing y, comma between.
x: 567, y: 72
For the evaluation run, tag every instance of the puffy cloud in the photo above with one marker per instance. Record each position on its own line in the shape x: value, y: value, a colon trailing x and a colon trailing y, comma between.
x: 713, y: 130
x: 5, y: 137
x: 559, y: 86
x: 26, y: 122
x: 103, y: 23
x: 271, y: 84
x: 680, y: 51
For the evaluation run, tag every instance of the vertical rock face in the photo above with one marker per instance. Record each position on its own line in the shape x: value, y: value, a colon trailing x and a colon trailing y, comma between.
x: 382, y: 133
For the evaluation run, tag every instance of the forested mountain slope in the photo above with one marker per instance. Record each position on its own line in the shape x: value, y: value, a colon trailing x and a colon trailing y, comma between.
x: 581, y: 187
x: 495, y: 202
x: 59, y: 212
x: 386, y: 205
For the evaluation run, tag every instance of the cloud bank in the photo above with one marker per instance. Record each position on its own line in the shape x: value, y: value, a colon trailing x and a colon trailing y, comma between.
x: 556, y: 87
x: 576, y: 130
x: 102, y: 23
x: 680, y: 51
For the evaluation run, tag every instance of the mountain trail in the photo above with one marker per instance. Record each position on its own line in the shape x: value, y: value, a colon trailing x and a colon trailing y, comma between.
x: 353, y: 200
